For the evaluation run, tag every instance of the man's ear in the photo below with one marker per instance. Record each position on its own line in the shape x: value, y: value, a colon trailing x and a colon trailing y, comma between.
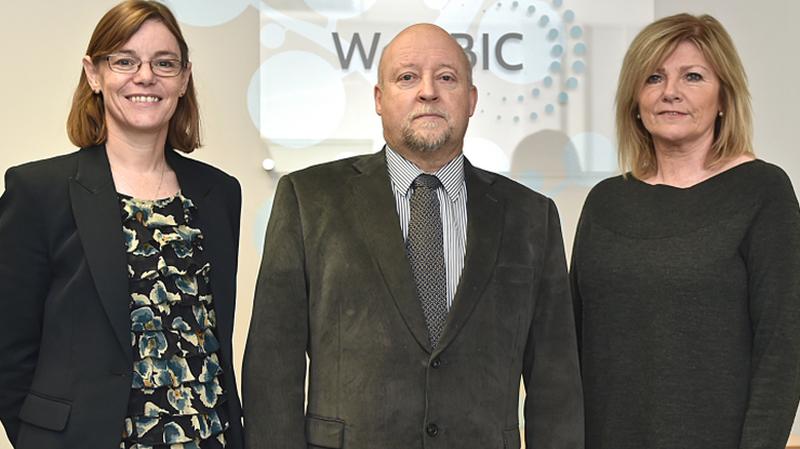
x: 378, y: 94
x: 473, y: 99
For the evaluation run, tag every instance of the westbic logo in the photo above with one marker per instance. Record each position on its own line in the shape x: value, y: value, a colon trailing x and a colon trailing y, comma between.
x: 536, y: 49
x: 467, y: 41
x: 318, y: 63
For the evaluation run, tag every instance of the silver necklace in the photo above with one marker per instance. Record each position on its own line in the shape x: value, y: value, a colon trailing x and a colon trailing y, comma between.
x: 160, y: 179
x: 126, y: 184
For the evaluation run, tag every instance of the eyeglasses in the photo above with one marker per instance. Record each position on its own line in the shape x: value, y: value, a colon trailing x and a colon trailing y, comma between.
x: 164, y: 67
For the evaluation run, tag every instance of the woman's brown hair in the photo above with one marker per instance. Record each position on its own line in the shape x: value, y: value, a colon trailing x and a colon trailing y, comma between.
x: 86, y: 125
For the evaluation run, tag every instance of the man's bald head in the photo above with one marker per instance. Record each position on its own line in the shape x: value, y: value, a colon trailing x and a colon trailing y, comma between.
x: 421, y: 32
x: 425, y: 95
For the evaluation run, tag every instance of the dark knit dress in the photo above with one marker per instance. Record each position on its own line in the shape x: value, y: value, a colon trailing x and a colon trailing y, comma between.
x: 688, y: 311
x: 177, y: 400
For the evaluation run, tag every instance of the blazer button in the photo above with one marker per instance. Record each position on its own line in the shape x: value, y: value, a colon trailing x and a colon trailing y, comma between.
x: 436, y: 363
x: 432, y: 429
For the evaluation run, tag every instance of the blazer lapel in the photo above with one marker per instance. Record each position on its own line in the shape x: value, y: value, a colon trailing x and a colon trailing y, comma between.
x: 96, y: 209
x: 218, y: 243
x: 375, y: 211
x: 484, y: 231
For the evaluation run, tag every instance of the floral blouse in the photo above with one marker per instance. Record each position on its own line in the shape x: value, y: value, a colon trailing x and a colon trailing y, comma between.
x: 176, y: 399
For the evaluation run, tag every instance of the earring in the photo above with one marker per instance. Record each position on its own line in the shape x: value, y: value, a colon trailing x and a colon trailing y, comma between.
x: 638, y: 117
x: 720, y: 114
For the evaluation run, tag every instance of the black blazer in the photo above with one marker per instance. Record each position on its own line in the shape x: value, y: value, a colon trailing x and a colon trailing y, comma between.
x: 65, y: 347
x: 335, y: 284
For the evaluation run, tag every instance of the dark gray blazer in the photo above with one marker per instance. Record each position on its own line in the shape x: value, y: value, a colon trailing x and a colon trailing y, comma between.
x: 65, y: 345
x: 335, y: 284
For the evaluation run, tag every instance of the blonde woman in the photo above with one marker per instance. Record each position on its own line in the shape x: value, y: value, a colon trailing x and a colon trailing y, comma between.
x: 685, y: 269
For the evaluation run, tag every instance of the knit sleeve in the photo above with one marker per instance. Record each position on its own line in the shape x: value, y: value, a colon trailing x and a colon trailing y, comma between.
x: 772, y: 254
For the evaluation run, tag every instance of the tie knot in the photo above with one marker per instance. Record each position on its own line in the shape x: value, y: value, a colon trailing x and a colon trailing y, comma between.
x: 430, y: 182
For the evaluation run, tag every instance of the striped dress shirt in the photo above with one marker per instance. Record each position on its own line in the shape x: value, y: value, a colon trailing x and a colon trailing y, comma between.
x: 452, y: 205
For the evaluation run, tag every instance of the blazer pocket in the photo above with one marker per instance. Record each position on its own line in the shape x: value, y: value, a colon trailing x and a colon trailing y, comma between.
x: 324, y: 432
x: 511, y: 439
x: 513, y: 274
x: 44, y: 412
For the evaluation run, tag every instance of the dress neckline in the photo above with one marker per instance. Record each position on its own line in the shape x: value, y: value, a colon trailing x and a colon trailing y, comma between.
x: 711, y: 180
x: 163, y: 200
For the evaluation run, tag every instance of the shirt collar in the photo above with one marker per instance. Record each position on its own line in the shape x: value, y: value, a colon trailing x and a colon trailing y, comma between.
x: 402, y: 173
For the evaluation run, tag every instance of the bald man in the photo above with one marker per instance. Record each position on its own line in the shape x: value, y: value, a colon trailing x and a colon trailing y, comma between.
x: 421, y: 288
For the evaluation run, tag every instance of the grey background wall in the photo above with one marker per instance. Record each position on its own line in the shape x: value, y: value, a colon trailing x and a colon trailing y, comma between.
x: 42, y: 44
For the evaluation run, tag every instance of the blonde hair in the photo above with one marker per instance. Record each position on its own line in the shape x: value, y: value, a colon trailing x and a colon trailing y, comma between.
x: 733, y: 130
x: 86, y: 124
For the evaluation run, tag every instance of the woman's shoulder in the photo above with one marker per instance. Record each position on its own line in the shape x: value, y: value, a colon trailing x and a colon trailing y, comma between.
x: 756, y: 179
x: 771, y: 177
x: 198, y: 168
x: 47, y: 168
x: 196, y: 173
x: 612, y: 183
x: 45, y: 178
x: 625, y: 204
x: 615, y: 188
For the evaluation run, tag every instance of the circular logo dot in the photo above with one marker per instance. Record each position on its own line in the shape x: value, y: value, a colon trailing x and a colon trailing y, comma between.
x: 572, y: 83
x: 552, y: 58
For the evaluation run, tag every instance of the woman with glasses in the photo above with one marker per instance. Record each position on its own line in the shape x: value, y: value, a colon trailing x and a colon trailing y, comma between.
x: 118, y: 262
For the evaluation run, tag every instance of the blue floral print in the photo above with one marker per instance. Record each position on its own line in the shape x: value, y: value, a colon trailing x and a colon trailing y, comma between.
x: 177, y: 399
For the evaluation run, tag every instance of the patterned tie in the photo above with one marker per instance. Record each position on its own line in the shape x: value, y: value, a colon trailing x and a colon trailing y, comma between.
x: 425, y: 251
